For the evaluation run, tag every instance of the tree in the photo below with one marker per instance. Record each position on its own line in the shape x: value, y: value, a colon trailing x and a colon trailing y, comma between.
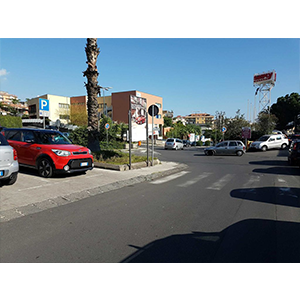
x: 234, y: 126
x: 265, y: 123
x: 168, y: 122
x: 286, y: 109
x: 93, y: 89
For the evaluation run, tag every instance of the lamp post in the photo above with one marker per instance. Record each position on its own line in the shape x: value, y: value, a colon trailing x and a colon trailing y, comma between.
x: 105, y: 89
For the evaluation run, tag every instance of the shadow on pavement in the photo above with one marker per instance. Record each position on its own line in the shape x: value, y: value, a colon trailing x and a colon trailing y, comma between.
x: 269, y: 163
x: 279, y: 171
x: 247, y: 241
x: 271, y: 195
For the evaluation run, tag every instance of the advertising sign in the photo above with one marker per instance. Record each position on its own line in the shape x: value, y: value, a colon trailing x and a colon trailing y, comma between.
x: 269, y: 77
x: 138, y: 107
x: 246, y: 132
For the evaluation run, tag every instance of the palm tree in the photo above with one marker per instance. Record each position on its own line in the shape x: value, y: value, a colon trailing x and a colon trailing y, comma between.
x: 93, y: 89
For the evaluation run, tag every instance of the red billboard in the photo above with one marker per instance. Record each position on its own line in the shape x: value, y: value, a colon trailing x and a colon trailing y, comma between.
x: 269, y: 77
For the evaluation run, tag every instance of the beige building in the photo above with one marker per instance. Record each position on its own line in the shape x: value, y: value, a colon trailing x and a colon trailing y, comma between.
x: 59, y: 108
x: 203, y: 119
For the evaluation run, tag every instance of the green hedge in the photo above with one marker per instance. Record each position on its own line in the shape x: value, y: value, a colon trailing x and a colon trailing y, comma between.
x: 10, y: 121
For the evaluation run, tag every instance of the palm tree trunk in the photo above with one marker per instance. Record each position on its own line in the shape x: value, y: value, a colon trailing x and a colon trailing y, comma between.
x: 93, y: 89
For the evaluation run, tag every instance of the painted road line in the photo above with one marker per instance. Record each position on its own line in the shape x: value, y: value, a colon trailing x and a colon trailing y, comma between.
x: 218, y: 185
x: 195, y: 180
x: 169, y: 178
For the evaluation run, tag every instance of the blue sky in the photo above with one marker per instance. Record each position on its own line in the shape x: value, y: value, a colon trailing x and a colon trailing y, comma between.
x: 191, y: 75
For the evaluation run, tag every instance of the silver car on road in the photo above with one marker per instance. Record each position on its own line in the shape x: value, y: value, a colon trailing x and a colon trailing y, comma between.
x: 174, y: 143
x: 234, y: 147
x: 9, y: 165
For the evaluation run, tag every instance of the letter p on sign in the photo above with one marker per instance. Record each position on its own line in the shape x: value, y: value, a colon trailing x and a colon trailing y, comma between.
x: 44, y: 104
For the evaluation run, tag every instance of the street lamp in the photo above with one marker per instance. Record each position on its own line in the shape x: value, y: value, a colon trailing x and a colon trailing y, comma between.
x: 105, y: 89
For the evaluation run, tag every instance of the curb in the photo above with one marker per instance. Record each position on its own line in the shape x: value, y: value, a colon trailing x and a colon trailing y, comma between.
x: 51, y: 203
x: 134, y: 166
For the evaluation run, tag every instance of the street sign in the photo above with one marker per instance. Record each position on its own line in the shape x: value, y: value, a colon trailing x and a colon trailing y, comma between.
x: 107, y: 126
x: 155, y: 110
x: 44, y: 107
x: 224, y: 129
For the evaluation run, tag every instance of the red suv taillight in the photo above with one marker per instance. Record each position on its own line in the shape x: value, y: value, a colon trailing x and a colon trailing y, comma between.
x: 15, y: 155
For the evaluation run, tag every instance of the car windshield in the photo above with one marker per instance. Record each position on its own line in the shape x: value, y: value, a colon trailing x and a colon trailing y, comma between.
x: 170, y: 140
x: 53, y: 138
x: 264, y: 138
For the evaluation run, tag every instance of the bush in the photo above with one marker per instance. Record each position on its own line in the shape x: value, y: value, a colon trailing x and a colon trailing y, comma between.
x: 207, y: 143
x: 10, y: 121
x: 80, y: 136
x: 199, y: 143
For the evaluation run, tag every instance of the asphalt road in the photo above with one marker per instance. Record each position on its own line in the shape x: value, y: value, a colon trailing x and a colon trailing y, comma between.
x: 219, y: 209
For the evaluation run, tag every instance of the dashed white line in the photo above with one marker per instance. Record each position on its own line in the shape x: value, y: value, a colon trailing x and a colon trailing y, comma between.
x: 169, y: 178
x: 195, y: 180
x: 221, y: 183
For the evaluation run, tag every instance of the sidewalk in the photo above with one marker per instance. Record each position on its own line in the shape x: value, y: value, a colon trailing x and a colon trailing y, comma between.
x: 32, y: 194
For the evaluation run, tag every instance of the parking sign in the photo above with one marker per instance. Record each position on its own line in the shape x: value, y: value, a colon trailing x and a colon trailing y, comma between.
x: 44, y: 107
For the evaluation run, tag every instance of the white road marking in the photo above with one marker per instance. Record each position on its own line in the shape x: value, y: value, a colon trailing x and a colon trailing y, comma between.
x: 195, y: 180
x: 169, y: 178
x: 251, y: 181
x: 221, y: 183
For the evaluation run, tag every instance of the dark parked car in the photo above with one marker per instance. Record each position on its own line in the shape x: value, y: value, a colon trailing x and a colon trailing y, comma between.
x: 294, y: 153
x: 186, y: 143
x: 293, y: 138
x: 48, y: 151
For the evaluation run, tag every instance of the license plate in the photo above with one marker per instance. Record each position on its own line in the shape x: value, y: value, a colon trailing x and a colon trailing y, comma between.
x: 1, y: 173
x: 84, y: 164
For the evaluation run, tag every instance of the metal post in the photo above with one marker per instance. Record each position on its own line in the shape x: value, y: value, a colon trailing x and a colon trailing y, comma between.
x: 129, y: 127
x: 147, y: 139
x: 103, y: 101
x: 152, y: 134
x: 44, y: 122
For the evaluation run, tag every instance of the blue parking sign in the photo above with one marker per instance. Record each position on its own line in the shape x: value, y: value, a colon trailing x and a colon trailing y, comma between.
x: 44, y: 104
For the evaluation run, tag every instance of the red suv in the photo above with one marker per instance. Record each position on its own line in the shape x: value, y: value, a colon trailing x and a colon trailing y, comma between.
x: 48, y: 151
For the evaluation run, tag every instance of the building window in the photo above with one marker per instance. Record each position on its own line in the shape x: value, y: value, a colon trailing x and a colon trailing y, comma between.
x: 63, y: 105
x: 158, y: 104
x: 158, y: 116
x: 64, y: 117
x: 32, y: 109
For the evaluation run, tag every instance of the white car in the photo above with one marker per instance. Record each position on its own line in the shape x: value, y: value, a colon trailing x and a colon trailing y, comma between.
x: 174, y: 143
x: 274, y: 141
x: 9, y: 165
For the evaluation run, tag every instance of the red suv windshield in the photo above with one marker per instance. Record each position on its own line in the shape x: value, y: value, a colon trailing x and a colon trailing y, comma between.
x: 54, y: 138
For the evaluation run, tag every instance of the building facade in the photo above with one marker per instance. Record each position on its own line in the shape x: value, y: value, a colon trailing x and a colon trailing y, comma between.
x: 11, y: 105
x: 202, y: 119
x: 121, y: 106
x: 59, y: 108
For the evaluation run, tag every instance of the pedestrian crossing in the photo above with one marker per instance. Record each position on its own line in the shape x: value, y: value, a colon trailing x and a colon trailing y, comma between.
x: 217, y: 184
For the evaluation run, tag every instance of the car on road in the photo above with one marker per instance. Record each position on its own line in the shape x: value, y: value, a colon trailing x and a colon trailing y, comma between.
x: 293, y: 137
x: 273, y: 141
x: 186, y: 143
x: 174, y: 143
x: 294, y: 153
x: 9, y: 165
x: 48, y: 151
x: 233, y: 147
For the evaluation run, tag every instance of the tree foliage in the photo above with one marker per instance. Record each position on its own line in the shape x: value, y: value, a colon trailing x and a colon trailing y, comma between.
x: 234, y: 126
x: 286, y: 109
x: 265, y: 123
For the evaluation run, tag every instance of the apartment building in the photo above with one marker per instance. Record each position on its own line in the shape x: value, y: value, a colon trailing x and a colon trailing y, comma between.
x: 200, y: 119
x: 10, y: 104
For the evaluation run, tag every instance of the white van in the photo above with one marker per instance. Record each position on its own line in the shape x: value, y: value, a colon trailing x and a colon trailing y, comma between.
x: 273, y: 141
